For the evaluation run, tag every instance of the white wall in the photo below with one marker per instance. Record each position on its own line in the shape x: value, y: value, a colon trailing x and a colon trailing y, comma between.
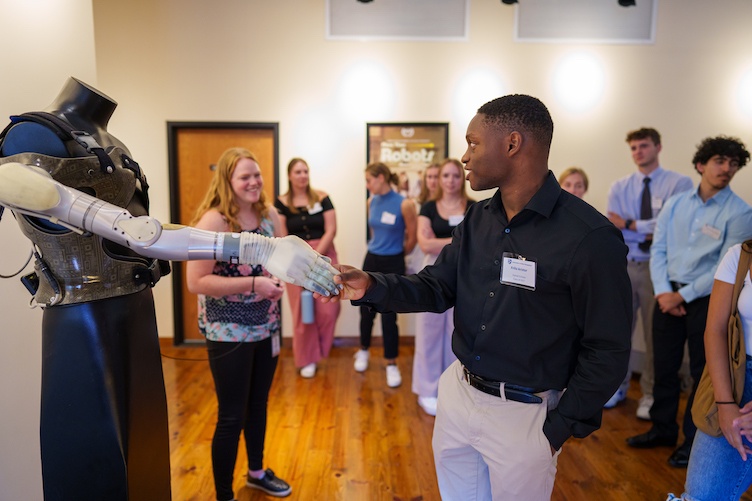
x: 45, y: 42
x: 254, y: 60
x: 269, y: 61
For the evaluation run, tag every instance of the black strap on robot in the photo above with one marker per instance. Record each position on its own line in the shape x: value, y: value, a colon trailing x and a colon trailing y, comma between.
x: 150, y: 275
x: 65, y: 132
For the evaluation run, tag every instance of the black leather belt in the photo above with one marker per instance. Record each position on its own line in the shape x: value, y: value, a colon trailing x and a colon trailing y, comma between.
x: 511, y: 391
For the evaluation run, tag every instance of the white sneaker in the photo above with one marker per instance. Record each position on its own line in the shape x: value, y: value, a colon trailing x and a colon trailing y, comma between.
x: 428, y: 404
x: 393, y: 376
x: 308, y: 371
x: 361, y: 360
x: 643, y: 409
x: 620, y: 395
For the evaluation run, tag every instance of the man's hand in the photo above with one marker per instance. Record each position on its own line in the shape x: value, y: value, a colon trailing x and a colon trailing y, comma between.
x: 671, y: 303
x: 354, y: 283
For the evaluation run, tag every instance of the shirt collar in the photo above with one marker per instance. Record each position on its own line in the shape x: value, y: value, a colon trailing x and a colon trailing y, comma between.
x: 543, y: 200
x: 653, y: 175
x: 718, y: 198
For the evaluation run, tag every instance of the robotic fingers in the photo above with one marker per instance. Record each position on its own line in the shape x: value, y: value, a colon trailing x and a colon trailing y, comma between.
x: 30, y: 190
x: 292, y: 260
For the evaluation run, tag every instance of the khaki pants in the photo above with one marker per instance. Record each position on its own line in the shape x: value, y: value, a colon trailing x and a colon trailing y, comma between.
x: 488, y: 448
x: 643, y: 299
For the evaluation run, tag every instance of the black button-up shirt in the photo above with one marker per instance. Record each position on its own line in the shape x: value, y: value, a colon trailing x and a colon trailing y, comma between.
x: 573, y: 331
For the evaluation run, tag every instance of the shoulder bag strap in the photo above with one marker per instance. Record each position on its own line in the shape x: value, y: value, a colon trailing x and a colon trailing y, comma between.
x: 736, y: 344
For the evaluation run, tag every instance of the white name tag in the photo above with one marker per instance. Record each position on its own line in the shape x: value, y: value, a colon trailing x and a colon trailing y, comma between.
x: 656, y: 203
x: 713, y: 233
x: 388, y: 218
x: 275, y: 345
x: 455, y: 220
x: 315, y: 209
x: 518, y: 271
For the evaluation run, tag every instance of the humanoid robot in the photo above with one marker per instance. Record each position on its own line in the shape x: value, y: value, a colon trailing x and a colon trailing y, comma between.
x: 81, y: 199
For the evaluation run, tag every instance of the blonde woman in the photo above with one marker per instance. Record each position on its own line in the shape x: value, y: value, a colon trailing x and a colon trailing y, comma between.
x: 239, y: 316
x: 429, y: 187
x: 309, y: 214
x: 433, y: 331
x: 575, y: 181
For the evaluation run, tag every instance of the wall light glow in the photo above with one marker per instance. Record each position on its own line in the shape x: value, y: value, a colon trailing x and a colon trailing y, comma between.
x: 315, y: 137
x: 579, y: 82
x: 474, y: 89
x: 744, y: 93
x: 366, y: 92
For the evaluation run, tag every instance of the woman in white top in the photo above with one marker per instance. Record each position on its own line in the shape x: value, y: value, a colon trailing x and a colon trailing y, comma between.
x: 719, y: 467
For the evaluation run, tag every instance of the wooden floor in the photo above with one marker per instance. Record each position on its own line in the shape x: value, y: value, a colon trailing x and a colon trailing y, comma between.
x: 347, y: 436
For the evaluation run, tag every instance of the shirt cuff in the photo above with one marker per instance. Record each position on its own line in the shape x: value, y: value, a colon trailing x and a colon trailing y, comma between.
x: 687, y: 292
x: 662, y: 289
x: 374, y: 295
x: 556, y: 430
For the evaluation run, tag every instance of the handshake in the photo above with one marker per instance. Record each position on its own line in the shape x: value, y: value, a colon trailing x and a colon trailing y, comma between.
x: 290, y: 259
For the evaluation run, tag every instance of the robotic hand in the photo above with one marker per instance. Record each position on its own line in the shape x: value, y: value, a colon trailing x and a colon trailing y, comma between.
x: 30, y: 190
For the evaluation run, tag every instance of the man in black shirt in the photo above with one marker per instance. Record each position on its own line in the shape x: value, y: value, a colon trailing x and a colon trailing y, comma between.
x: 538, y: 279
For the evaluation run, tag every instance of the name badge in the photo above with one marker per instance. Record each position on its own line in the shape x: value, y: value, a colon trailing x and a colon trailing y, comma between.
x: 455, y: 220
x: 656, y: 203
x: 315, y: 209
x: 388, y: 218
x: 713, y: 233
x: 518, y: 271
x: 275, y: 344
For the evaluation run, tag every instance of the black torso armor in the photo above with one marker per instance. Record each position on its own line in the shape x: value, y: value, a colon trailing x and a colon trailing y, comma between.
x: 73, y: 267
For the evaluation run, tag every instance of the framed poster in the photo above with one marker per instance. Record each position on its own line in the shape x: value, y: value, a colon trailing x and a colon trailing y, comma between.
x: 407, y: 149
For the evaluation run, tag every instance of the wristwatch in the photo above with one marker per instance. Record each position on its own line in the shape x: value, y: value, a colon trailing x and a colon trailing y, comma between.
x: 628, y: 223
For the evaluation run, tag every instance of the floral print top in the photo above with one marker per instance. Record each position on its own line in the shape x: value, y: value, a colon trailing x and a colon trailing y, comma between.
x: 239, y: 317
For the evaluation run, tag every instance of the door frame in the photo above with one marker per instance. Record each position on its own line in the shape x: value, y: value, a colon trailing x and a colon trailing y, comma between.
x: 173, y: 130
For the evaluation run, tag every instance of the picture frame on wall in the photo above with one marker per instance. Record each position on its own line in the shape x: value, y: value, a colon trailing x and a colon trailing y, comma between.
x: 407, y: 149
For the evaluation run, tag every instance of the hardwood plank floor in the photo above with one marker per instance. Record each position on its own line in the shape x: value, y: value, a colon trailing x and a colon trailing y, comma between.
x: 347, y: 436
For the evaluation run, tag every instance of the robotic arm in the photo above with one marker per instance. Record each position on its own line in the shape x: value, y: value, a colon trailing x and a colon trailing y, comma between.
x: 30, y: 190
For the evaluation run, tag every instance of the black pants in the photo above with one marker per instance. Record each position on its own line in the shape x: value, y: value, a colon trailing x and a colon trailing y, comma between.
x: 389, y: 329
x: 243, y: 374
x: 103, y: 429
x: 669, y: 336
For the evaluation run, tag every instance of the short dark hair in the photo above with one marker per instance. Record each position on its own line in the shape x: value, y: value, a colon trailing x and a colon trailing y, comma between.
x: 726, y: 146
x: 522, y: 113
x: 644, y: 133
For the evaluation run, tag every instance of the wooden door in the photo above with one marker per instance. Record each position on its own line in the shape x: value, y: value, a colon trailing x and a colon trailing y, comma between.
x: 194, y: 150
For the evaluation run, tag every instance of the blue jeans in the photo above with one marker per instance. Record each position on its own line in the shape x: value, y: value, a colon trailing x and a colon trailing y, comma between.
x: 716, y: 470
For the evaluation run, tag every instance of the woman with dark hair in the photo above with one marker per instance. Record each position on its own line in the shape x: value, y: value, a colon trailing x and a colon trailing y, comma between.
x: 309, y: 214
x: 719, y: 466
x: 391, y: 225
x: 239, y: 315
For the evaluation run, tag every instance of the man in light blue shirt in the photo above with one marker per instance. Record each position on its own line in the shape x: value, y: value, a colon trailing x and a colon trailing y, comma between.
x: 693, y: 232
x: 637, y: 223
